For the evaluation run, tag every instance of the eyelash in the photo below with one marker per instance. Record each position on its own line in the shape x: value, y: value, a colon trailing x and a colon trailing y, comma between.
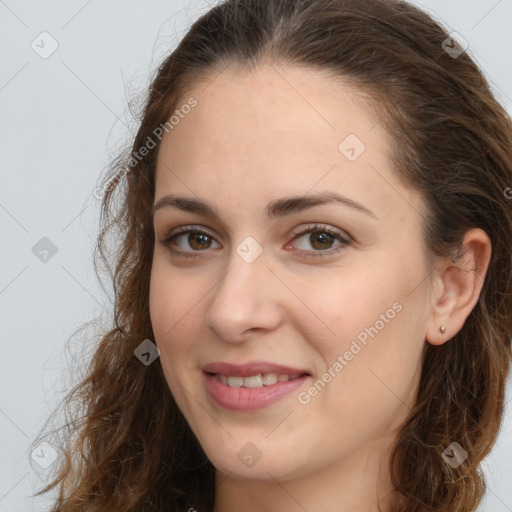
x: 342, y: 237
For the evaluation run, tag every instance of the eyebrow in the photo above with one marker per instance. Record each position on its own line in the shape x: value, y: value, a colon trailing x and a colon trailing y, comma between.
x: 275, y: 209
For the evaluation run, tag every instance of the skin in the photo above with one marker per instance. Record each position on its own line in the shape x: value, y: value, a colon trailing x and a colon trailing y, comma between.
x: 259, y: 136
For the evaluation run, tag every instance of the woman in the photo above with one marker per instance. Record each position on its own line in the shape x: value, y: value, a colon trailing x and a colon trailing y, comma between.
x: 313, y: 283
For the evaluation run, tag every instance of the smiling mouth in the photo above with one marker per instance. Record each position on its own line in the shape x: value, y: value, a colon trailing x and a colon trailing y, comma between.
x: 251, y: 385
x: 255, y: 381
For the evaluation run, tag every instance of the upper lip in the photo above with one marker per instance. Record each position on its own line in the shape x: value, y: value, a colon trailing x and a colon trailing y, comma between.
x: 251, y: 368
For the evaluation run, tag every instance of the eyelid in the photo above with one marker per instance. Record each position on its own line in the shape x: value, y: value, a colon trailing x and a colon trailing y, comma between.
x: 188, y: 228
x: 318, y: 226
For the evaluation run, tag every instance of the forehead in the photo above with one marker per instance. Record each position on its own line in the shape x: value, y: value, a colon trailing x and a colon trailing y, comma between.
x: 261, y: 102
x: 271, y: 131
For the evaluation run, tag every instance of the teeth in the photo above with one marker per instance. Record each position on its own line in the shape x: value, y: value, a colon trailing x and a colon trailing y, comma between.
x: 255, y: 381
x: 235, y: 382
x: 269, y: 378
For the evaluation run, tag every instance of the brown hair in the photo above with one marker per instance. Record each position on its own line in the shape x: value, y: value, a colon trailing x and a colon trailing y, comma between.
x: 128, y: 447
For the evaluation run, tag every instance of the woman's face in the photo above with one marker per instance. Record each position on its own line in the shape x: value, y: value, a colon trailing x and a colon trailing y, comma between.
x: 289, y: 289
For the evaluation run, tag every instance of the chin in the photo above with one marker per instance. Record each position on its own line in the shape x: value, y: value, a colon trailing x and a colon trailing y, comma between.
x: 259, y: 459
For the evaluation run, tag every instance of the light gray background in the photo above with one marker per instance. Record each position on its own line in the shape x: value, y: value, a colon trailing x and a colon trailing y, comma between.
x: 62, y: 119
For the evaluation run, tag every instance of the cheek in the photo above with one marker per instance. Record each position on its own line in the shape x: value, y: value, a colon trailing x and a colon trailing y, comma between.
x: 171, y: 302
x: 344, y: 306
x: 371, y: 370
x: 372, y: 321
x: 172, y: 295
x: 170, y: 314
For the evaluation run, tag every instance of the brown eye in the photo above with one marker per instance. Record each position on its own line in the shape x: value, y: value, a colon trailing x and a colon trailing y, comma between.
x: 189, y: 241
x: 199, y: 241
x: 321, y: 240
x: 318, y: 240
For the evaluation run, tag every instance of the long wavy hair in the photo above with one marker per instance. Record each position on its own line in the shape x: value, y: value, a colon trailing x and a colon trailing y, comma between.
x: 125, y: 445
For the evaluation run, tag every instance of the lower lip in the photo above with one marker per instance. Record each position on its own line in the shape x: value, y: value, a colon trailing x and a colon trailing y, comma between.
x: 250, y: 399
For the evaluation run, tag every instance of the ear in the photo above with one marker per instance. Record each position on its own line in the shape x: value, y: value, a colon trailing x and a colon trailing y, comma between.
x: 457, y: 286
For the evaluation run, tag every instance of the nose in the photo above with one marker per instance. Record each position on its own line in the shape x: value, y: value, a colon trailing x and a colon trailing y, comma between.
x: 245, y: 301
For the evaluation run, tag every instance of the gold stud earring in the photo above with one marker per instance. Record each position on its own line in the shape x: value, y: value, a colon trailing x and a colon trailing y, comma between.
x: 442, y: 329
